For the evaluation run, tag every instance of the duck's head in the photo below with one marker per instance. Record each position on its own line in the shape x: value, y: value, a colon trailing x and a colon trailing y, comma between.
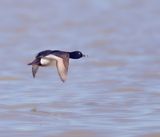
x: 76, y: 55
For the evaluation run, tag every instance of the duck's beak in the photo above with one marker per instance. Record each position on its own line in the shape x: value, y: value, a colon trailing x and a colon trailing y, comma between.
x: 35, y: 66
x: 84, y: 55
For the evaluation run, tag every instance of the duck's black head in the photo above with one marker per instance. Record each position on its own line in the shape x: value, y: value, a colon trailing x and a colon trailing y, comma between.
x: 76, y: 55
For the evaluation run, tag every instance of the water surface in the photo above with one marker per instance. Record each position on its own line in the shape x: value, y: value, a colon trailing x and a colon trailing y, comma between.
x: 114, y: 92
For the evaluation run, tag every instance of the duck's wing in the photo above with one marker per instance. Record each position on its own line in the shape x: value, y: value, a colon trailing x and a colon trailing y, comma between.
x: 35, y: 66
x: 34, y: 70
x: 62, y: 63
x: 62, y: 66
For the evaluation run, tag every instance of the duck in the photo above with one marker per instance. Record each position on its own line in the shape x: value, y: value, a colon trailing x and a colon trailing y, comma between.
x: 57, y: 58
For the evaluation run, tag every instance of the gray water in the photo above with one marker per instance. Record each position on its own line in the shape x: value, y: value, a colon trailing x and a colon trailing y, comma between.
x: 112, y: 93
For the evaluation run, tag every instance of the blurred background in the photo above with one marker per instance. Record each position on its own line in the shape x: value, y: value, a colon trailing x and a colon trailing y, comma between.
x: 114, y: 92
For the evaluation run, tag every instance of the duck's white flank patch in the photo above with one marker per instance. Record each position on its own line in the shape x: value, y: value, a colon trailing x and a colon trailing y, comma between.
x: 49, y: 60
x: 45, y: 62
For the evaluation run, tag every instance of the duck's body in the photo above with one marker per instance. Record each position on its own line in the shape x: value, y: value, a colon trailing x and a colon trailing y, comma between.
x: 55, y: 57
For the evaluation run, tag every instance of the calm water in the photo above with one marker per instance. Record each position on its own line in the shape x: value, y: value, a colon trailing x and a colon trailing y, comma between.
x: 115, y: 92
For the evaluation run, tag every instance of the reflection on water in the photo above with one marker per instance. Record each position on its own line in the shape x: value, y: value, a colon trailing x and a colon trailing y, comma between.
x: 114, y: 92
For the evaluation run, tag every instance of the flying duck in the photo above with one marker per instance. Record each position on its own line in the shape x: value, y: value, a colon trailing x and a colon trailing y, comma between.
x: 55, y: 57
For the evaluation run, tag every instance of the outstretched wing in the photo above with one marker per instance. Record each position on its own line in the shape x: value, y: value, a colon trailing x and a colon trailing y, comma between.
x: 35, y: 65
x: 34, y: 70
x: 62, y: 63
x: 62, y: 66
